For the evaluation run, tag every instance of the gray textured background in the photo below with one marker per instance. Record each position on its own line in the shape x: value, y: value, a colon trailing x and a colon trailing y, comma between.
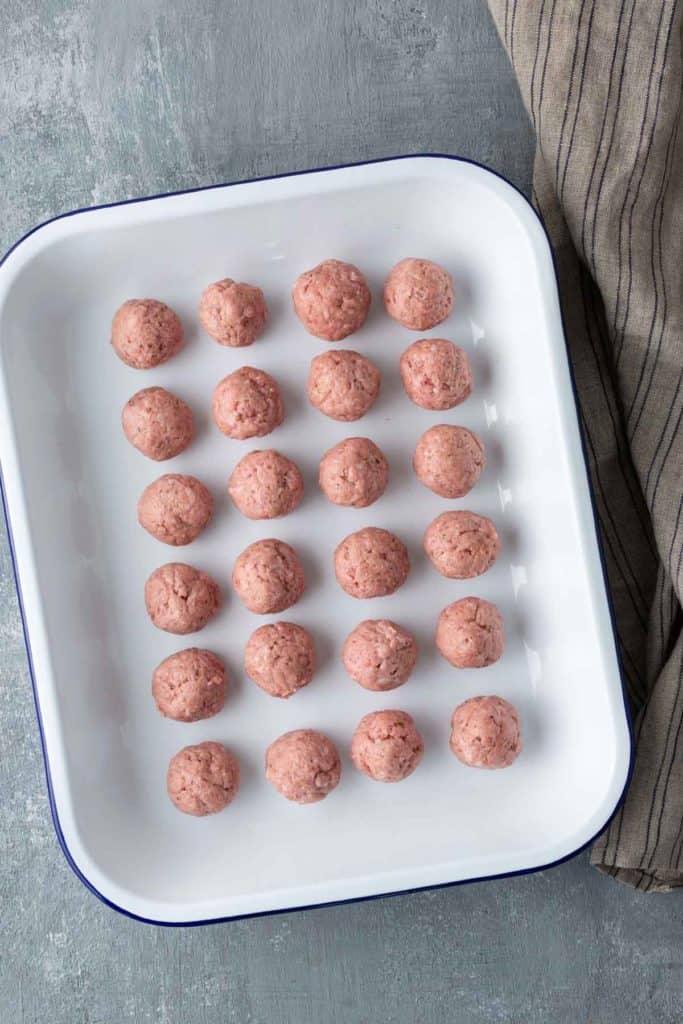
x: 101, y: 101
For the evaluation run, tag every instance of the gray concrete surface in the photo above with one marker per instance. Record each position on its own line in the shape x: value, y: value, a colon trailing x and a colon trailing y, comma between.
x: 103, y: 100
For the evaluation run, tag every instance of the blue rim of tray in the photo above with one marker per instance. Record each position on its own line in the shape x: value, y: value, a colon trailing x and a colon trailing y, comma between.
x: 27, y: 643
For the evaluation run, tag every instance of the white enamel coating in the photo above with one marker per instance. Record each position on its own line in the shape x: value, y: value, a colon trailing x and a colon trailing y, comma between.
x: 72, y: 482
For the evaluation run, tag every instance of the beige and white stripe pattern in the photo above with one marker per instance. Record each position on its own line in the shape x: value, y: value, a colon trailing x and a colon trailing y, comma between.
x: 602, y: 82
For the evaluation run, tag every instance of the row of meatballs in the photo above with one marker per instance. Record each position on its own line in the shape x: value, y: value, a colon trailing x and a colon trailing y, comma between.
x: 268, y: 576
x: 176, y: 507
x: 342, y: 384
x: 304, y: 765
x: 280, y: 658
x: 332, y: 301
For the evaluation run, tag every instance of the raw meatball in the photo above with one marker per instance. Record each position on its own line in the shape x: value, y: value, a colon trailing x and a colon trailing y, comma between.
x: 280, y: 658
x: 332, y: 300
x: 449, y: 460
x: 181, y: 599
x: 354, y: 472
x: 379, y: 654
x: 485, y: 733
x: 145, y: 333
x: 461, y: 545
x: 203, y: 779
x: 247, y: 403
x: 157, y: 423
x: 386, y: 746
x: 436, y: 373
x: 470, y: 633
x: 343, y: 384
x: 190, y: 685
x: 268, y: 577
x: 264, y: 485
x: 175, y: 509
x: 418, y: 293
x: 303, y: 765
x: 232, y: 312
x: 371, y: 563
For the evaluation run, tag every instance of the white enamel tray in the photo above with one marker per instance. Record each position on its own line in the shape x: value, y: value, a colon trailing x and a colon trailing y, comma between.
x: 71, y: 482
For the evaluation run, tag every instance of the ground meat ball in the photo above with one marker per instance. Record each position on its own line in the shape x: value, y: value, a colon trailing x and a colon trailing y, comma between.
x: 461, y: 545
x: 303, y: 766
x: 265, y: 485
x: 145, y: 333
x: 175, y: 509
x: 436, y: 374
x: 387, y: 746
x: 379, y: 654
x: 203, y: 779
x: 470, y: 633
x: 485, y: 733
x: 332, y: 300
x: 247, y: 403
x: 181, y: 599
x: 371, y: 563
x: 190, y: 685
x: 268, y: 577
x: 418, y: 293
x: 343, y: 384
x: 449, y: 460
x: 280, y: 658
x: 354, y: 473
x: 157, y: 423
x: 232, y: 312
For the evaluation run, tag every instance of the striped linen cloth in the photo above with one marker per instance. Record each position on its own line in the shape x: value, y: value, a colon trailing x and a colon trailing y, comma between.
x: 601, y: 80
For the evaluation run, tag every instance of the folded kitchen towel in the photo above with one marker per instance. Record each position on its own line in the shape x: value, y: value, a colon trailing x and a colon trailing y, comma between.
x: 601, y: 80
